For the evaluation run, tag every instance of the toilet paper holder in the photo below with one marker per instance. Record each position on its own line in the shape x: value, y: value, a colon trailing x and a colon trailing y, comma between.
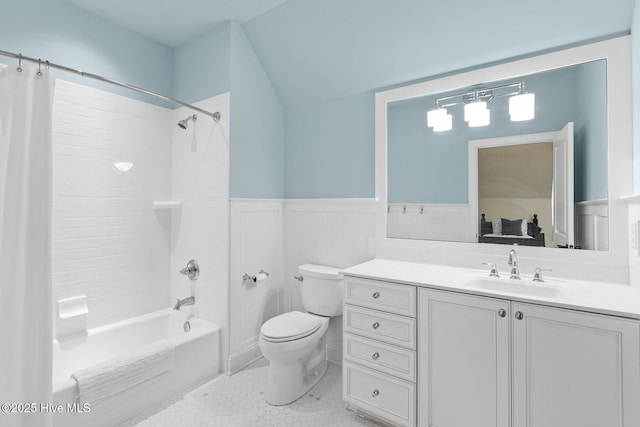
x: 255, y: 278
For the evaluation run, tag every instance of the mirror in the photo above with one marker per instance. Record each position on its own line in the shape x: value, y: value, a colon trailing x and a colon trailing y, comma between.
x: 522, y: 175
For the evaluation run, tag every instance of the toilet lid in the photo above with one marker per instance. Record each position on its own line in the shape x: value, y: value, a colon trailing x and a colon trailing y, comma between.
x: 290, y: 326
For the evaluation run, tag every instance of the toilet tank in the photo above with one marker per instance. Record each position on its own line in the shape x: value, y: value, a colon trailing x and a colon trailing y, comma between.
x: 321, y: 289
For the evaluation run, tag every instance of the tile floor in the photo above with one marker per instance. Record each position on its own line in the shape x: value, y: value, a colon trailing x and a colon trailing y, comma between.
x: 238, y: 400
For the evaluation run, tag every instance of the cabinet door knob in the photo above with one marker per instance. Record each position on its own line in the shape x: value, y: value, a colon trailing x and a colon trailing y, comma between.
x: 375, y: 356
x: 375, y: 393
x: 376, y: 295
x: 375, y: 325
x: 519, y: 315
x: 502, y: 312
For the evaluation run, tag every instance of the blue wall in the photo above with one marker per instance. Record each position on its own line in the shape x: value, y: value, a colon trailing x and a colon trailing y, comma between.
x: 55, y: 30
x: 329, y: 149
x: 202, y: 66
x: 223, y: 60
x: 257, y: 125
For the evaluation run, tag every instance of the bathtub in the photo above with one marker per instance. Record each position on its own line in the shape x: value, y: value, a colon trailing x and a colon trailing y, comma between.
x: 197, y: 358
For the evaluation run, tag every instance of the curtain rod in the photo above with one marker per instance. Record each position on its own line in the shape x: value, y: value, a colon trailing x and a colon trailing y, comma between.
x: 20, y: 57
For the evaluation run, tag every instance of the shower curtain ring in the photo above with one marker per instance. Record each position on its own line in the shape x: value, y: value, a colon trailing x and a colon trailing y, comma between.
x: 39, y: 67
x: 47, y: 64
x: 19, y: 63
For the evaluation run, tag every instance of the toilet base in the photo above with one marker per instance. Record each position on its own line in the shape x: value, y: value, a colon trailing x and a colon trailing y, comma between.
x: 291, y: 382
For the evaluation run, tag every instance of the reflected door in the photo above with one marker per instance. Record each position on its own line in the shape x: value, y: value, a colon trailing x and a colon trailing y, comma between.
x: 562, y: 199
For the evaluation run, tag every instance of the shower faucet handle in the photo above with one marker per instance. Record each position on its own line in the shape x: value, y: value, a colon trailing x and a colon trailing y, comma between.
x: 192, y: 270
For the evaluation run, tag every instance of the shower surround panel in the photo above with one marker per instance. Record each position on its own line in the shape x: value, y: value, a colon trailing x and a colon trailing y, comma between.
x: 111, y: 159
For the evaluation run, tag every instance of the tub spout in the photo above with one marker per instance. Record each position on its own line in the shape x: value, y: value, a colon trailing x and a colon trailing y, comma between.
x: 185, y: 301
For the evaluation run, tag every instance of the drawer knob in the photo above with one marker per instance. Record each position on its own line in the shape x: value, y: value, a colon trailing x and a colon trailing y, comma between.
x: 376, y: 295
x: 502, y: 312
x: 375, y: 356
x: 375, y: 393
x: 519, y: 315
x: 375, y: 325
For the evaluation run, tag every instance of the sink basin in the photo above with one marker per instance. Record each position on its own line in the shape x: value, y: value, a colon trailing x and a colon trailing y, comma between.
x: 517, y: 287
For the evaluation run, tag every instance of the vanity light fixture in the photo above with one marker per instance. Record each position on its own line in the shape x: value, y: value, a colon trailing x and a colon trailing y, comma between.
x: 522, y: 107
x: 476, y: 111
x: 477, y: 114
x: 439, y: 119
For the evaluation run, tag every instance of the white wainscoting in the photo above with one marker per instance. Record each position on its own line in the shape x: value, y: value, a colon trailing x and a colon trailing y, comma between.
x: 333, y: 232
x: 592, y: 225
x: 431, y: 222
x: 256, y: 243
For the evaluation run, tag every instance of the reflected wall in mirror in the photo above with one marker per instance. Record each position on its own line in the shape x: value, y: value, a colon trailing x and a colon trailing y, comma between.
x: 515, y: 184
x: 432, y: 187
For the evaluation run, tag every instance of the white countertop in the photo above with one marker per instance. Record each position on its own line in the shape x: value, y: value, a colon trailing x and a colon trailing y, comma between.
x: 603, y: 298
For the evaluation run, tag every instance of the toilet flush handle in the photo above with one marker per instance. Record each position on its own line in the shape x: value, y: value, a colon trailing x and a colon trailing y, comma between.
x: 298, y: 278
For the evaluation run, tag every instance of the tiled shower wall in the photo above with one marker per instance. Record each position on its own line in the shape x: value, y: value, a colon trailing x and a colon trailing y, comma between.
x: 200, y: 228
x: 108, y: 243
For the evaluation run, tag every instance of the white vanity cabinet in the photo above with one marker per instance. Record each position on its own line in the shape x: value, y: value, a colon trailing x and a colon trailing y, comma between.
x: 463, y: 360
x: 574, y: 369
x: 379, y: 346
x: 489, y: 362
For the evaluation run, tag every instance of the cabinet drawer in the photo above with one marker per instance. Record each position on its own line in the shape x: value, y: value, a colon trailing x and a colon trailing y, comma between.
x: 399, y: 299
x: 390, y: 328
x: 378, y: 394
x: 386, y: 358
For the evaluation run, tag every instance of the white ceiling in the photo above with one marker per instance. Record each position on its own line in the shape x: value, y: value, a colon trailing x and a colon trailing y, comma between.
x: 173, y: 22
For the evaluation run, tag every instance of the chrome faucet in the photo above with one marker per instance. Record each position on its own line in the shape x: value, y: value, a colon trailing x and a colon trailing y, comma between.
x: 185, y: 301
x: 513, y: 262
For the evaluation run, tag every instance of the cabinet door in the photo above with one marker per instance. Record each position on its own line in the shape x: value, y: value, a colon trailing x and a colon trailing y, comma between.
x: 463, y: 353
x: 574, y: 369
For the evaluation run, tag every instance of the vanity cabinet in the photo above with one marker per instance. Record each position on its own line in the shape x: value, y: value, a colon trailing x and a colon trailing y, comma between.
x: 414, y: 355
x: 488, y: 362
x: 463, y: 355
x: 379, y: 345
x: 574, y: 369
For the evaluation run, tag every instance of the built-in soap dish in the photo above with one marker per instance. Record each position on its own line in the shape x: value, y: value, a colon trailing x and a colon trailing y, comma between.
x: 72, y: 316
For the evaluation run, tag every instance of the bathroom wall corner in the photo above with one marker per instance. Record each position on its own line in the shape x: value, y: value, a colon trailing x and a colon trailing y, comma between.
x: 256, y: 244
x: 200, y: 228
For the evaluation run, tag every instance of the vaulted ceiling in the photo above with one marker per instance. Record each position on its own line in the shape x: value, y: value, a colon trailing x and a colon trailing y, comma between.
x: 173, y: 22
x: 318, y: 50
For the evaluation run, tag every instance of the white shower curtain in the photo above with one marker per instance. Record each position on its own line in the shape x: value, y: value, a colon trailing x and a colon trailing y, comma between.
x: 26, y: 100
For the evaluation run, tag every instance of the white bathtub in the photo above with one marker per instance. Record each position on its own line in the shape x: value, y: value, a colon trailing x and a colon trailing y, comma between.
x: 197, y: 358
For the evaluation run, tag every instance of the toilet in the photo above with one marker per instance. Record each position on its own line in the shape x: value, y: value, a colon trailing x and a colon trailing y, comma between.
x: 294, y: 342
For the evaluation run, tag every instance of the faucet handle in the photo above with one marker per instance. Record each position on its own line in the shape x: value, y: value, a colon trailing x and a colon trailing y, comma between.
x: 537, y: 275
x: 192, y: 270
x: 494, y: 269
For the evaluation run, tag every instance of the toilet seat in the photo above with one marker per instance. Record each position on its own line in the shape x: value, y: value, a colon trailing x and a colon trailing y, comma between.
x: 290, y: 326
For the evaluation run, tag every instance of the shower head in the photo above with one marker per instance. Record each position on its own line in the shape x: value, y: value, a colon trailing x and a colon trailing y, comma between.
x: 184, y: 123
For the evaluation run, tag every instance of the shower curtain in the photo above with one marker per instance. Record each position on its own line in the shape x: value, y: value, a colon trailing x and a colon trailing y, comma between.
x: 26, y: 101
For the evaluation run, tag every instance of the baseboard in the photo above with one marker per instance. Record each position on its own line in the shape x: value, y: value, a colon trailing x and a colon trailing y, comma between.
x: 334, y: 352
x: 239, y: 360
